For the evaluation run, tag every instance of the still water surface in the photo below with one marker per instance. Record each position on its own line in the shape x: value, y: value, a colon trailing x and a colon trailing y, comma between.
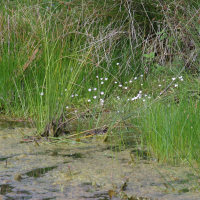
x: 91, y: 169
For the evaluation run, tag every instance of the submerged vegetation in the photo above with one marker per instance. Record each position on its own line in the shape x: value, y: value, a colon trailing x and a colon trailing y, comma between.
x: 130, y: 66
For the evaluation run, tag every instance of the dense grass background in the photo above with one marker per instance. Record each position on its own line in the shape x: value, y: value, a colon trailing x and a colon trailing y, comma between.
x: 130, y: 65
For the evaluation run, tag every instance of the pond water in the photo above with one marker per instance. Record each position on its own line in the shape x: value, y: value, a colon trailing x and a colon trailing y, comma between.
x: 90, y: 169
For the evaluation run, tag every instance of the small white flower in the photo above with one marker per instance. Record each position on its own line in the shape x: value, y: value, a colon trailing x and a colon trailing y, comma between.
x: 125, y: 88
x: 140, y: 92
x: 65, y: 90
x: 67, y: 107
x: 125, y: 82
x: 102, y: 83
x: 95, y: 89
x: 118, y: 97
x: 159, y: 85
x: 102, y: 93
x: 117, y: 63
x: 135, y: 78
x: 141, y: 84
x: 115, y: 82
x: 133, y: 98
x: 106, y: 79
x: 128, y: 99
x: 173, y: 79
x: 42, y: 93
x: 76, y: 95
x: 120, y: 85
x: 145, y: 95
x: 143, y: 100
x: 130, y: 81
x: 101, y: 79
x: 141, y: 75
x: 75, y: 111
x: 97, y: 76
x: 89, y: 89
x: 149, y: 97
x: 89, y: 100
x: 72, y: 95
x: 118, y: 111
x: 176, y: 85
x: 181, y: 79
x: 163, y: 80
x: 94, y: 97
x: 102, y: 101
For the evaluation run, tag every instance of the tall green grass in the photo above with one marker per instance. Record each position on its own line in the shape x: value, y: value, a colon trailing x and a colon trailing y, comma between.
x: 171, y: 131
x: 66, y: 57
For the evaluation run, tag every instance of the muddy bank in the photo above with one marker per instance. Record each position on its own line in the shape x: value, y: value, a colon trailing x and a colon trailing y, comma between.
x: 91, y: 169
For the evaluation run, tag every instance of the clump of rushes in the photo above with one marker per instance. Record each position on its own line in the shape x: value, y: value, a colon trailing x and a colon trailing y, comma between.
x: 171, y: 131
x: 69, y: 60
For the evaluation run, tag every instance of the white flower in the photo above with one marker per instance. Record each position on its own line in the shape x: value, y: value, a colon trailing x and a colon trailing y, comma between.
x: 118, y: 97
x: 76, y: 95
x: 149, y: 97
x: 102, y: 83
x: 143, y: 100
x: 176, y: 85
x: 125, y: 88
x: 135, y: 78
x: 128, y: 99
x: 115, y: 82
x: 106, y: 79
x: 67, y: 107
x: 130, y: 81
x: 101, y: 79
x: 72, y: 95
x: 141, y: 84
x: 117, y: 63
x: 145, y: 95
x: 102, y: 93
x: 102, y: 101
x: 75, y: 111
x: 94, y: 97
x: 120, y: 85
x: 181, y: 79
x: 140, y: 92
x: 173, y: 79
x: 42, y: 93
x: 89, y: 89
x: 125, y: 82
x: 89, y: 100
x: 95, y: 89
x: 65, y: 90
x: 159, y: 85
x: 97, y: 76
x: 163, y: 80
x: 118, y: 111
x: 141, y: 75
x: 133, y: 98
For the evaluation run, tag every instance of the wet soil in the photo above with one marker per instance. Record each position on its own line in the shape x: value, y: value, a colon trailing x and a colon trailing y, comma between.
x: 90, y: 169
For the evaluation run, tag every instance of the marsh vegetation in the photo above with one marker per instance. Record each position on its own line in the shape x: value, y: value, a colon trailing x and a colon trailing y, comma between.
x: 128, y: 70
